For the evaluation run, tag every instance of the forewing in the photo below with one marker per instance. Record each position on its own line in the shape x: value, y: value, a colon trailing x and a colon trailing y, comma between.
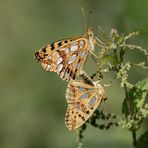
x: 68, y: 59
x: 82, y: 99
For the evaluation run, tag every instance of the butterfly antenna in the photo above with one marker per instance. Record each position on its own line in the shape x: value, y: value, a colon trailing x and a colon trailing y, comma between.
x: 84, y: 18
x: 89, y: 17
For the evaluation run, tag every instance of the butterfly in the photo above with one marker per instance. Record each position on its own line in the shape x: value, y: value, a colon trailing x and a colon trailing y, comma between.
x: 66, y: 57
x: 83, y: 99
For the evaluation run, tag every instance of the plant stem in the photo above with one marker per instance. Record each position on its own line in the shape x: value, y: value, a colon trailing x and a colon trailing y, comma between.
x: 128, y: 101
x: 134, y: 138
x: 133, y: 131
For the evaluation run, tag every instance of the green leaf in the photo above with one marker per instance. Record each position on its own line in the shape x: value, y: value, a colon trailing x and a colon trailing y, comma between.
x: 136, y: 97
x: 139, y: 93
x: 142, y: 142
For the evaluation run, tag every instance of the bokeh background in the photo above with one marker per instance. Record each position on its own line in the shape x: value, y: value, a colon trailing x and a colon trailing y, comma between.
x: 32, y: 101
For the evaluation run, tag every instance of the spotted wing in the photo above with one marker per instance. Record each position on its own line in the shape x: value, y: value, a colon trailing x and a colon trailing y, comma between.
x: 82, y: 99
x: 66, y: 59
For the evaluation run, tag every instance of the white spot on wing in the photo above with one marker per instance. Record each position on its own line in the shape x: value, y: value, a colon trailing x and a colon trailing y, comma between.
x: 66, y: 74
x: 91, y: 90
x: 62, y: 74
x: 72, y: 59
x: 59, y: 60
x: 82, y: 53
x: 66, y: 50
x: 48, y: 67
x: 84, y: 96
x: 44, y: 65
x: 78, y: 65
x: 71, y: 78
x: 92, y: 101
x: 74, y: 47
x: 59, y: 67
x: 81, y: 43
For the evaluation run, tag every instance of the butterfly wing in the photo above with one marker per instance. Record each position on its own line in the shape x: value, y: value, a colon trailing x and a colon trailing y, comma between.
x: 82, y: 99
x: 64, y: 57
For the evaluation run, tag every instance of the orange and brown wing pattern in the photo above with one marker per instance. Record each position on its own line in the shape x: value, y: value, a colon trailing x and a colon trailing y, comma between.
x: 65, y: 57
x: 82, y: 99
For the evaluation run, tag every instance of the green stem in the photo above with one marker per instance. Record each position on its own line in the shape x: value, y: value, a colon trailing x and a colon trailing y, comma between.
x: 133, y: 131
x: 128, y: 101
x: 134, y: 138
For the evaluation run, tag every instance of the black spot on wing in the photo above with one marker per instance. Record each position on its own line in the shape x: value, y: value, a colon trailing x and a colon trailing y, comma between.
x: 87, y: 112
x: 52, y: 46
x: 37, y: 57
x: 59, y: 44
x: 44, y: 48
x: 83, y: 118
x: 65, y: 41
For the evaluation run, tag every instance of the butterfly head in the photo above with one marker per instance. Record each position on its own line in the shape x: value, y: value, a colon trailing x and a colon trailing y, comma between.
x: 90, y: 37
x: 90, y: 32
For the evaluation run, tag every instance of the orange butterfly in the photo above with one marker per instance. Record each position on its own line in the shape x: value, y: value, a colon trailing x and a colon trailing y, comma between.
x: 66, y: 57
x: 83, y: 99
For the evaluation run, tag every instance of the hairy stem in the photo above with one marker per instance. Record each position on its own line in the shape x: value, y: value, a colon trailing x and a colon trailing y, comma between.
x: 133, y: 131
x: 128, y: 101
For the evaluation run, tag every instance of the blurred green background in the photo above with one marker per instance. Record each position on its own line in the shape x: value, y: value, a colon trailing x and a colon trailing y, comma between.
x: 32, y: 101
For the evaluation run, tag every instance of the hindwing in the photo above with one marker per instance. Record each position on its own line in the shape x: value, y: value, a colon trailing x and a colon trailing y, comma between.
x: 82, y: 99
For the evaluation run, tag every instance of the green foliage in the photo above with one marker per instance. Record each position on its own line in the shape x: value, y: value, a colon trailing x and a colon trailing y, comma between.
x: 137, y: 96
x: 137, y: 112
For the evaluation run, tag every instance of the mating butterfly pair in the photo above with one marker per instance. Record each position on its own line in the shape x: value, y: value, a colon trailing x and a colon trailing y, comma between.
x: 67, y: 57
